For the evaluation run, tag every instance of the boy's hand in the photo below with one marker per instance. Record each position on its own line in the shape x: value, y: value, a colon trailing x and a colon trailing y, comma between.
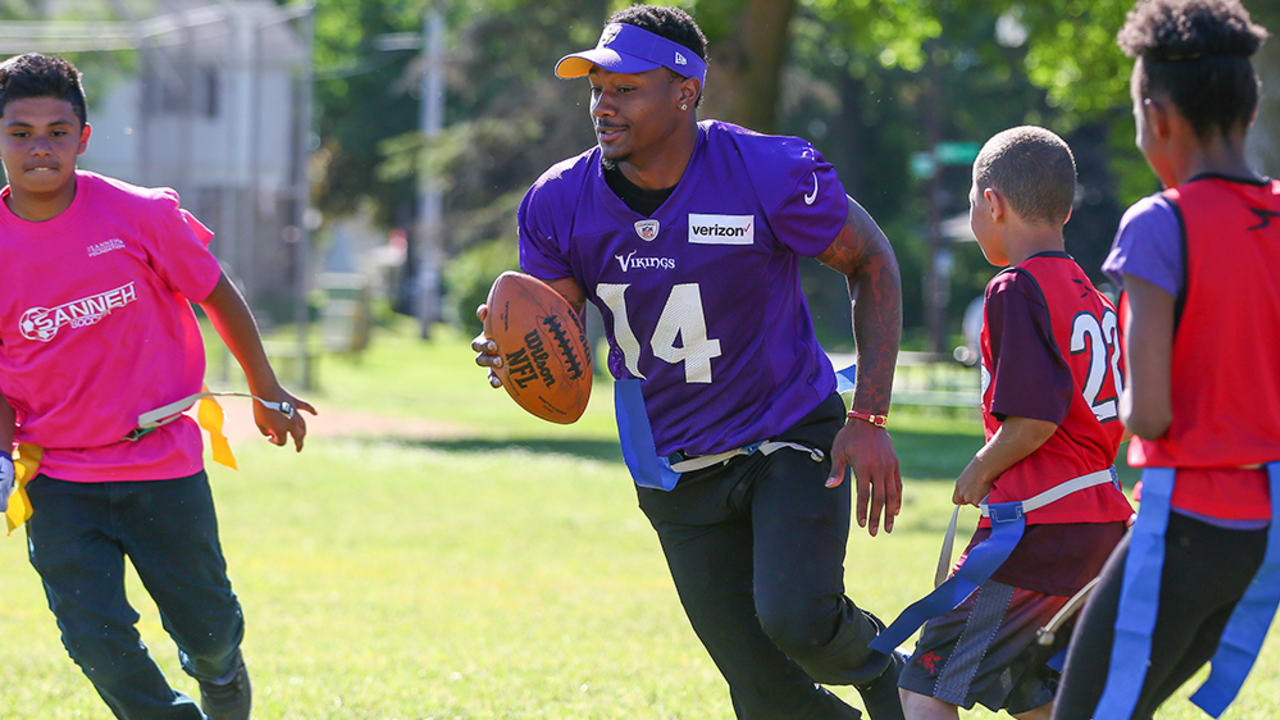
x: 488, y: 356
x: 275, y: 425
x: 1016, y: 438
x: 869, y: 451
x: 6, y: 479
x: 971, y: 487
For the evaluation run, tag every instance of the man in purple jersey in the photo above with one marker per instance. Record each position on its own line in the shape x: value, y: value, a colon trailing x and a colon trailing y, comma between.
x: 687, y: 236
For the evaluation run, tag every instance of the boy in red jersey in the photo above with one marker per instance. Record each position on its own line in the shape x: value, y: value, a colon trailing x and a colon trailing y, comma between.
x: 1050, y: 359
x: 96, y: 329
x: 1199, y: 576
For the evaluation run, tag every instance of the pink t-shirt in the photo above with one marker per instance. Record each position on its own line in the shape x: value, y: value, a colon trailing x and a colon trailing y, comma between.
x: 96, y: 328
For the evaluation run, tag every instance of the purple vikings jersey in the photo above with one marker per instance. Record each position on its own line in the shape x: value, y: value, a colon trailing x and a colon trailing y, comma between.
x: 701, y: 300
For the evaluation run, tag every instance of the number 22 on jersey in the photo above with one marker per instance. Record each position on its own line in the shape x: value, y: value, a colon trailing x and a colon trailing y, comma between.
x: 1104, y: 340
x: 1103, y: 347
x: 682, y: 317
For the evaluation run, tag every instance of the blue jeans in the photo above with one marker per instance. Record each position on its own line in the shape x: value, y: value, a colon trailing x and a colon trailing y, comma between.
x: 77, y: 541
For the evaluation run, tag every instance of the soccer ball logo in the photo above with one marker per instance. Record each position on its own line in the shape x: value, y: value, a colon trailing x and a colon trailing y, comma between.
x: 33, y: 326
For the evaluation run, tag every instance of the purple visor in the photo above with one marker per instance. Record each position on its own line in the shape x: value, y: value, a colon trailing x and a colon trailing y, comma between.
x: 625, y: 48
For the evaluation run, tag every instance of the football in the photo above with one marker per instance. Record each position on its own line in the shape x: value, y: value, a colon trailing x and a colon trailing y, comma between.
x: 546, y: 359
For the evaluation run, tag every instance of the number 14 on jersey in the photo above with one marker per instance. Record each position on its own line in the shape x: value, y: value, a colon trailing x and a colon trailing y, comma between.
x: 682, y: 317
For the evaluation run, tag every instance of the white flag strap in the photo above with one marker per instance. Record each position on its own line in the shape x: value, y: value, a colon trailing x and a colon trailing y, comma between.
x: 168, y: 413
x: 768, y: 447
x: 1057, y: 492
x: 948, y: 543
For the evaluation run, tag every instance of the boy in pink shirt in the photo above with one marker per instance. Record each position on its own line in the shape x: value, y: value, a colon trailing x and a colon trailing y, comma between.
x: 96, y: 329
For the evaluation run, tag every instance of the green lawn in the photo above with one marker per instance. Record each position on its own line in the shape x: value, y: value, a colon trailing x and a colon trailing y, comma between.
x: 496, y: 569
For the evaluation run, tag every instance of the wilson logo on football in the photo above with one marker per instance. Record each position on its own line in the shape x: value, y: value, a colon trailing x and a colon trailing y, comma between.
x: 529, y: 363
x: 42, y: 324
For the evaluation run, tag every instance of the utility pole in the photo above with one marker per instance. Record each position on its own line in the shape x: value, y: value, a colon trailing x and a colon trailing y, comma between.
x: 302, y: 192
x: 934, y: 291
x: 430, y: 122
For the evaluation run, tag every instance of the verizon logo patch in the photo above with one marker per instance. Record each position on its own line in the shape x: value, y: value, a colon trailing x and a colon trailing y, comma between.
x: 722, y: 229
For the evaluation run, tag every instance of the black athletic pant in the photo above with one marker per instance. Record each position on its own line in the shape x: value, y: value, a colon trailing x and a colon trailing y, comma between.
x: 1206, y: 571
x: 756, y: 549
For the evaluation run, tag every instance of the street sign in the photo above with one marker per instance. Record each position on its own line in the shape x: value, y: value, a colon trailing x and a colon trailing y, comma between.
x: 952, y: 152
x: 922, y: 165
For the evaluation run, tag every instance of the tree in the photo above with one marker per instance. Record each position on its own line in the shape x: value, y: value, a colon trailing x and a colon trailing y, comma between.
x: 747, y: 48
x: 363, y: 95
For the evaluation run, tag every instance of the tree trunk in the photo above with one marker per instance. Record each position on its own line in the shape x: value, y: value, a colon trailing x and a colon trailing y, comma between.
x: 745, y: 68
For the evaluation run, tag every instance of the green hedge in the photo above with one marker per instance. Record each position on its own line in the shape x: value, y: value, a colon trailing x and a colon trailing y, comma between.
x: 468, y: 277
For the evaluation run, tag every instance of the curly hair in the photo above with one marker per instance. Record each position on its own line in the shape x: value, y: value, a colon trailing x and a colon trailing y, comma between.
x: 35, y: 75
x: 671, y: 23
x: 1196, y: 53
x: 1033, y: 168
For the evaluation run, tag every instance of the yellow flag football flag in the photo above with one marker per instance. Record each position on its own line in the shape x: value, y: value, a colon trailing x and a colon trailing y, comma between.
x: 25, y: 464
x: 211, y: 418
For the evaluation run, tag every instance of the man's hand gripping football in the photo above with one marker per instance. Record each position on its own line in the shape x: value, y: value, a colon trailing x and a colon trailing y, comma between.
x: 488, y: 356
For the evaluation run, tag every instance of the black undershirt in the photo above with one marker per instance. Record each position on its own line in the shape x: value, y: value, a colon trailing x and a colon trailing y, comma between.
x: 642, y: 200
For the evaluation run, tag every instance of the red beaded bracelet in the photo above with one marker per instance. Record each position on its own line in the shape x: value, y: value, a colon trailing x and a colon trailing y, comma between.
x: 877, y: 420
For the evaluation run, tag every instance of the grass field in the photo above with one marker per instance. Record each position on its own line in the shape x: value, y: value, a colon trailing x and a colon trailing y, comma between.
x: 459, y: 559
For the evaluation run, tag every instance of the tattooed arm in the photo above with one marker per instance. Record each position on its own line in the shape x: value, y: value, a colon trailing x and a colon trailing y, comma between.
x: 862, y: 254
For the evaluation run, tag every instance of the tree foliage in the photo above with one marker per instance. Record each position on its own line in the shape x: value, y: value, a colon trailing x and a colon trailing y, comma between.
x: 870, y: 82
x: 363, y: 95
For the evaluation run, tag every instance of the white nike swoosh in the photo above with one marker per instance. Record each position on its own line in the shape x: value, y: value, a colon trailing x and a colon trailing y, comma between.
x: 810, y: 197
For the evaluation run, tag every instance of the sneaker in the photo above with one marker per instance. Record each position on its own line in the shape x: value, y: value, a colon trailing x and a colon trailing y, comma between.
x: 229, y: 700
x: 880, y: 695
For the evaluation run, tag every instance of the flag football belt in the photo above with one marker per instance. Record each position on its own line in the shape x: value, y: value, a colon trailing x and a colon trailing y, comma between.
x: 1140, y: 604
x: 209, y: 416
x: 165, y: 414
x: 1008, y: 523
x: 682, y: 463
x: 651, y: 470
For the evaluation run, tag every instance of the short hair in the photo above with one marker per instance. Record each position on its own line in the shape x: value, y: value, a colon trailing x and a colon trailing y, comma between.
x: 1033, y: 168
x: 34, y: 75
x: 671, y: 23
x: 1196, y: 52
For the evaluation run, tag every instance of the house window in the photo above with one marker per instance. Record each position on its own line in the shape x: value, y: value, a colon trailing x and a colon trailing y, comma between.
x: 169, y: 94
